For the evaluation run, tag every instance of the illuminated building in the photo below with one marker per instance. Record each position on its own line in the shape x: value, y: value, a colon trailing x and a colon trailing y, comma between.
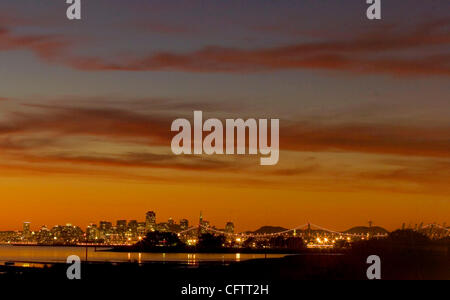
x: 203, y: 224
x: 121, y: 226
x: 150, y: 221
x: 132, y: 228
x: 67, y: 235
x: 184, y: 224
x: 105, y: 226
x: 142, y: 229
x: 92, y: 233
x: 9, y: 236
x: 229, y: 228
x: 26, y: 230
x: 163, y: 227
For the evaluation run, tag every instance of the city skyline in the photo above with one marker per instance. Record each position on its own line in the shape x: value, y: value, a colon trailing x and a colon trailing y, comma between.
x: 146, y: 220
x: 130, y: 233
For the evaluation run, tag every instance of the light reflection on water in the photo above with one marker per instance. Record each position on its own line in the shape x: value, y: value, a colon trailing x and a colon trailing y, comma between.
x: 36, y: 254
x: 192, y: 259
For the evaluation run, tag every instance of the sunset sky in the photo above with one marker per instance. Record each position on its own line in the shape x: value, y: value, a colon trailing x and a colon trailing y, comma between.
x: 86, y: 108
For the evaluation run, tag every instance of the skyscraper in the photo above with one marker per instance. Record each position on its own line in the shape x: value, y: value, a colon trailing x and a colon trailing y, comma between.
x: 92, y: 232
x: 200, y: 224
x: 229, y: 228
x: 150, y: 221
x: 26, y: 230
x: 142, y: 229
x: 132, y: 228
x: 203, y: 225
x: 184, y: 224
x: 105, y: 225
x: 121, y: 226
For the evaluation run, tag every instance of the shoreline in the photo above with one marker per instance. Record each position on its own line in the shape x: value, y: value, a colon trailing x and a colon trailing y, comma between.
x: 220, y: 250
x: 181, y: 250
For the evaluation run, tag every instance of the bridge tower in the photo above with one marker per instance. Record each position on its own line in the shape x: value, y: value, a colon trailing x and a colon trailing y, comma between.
x: 308, y: 232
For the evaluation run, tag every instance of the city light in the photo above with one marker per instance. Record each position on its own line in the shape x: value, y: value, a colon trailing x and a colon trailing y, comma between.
x: 131, y: 232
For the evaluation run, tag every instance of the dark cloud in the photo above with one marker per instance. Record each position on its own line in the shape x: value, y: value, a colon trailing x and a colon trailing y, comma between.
x: 355, y: 55
x: 47, y: 47
x: 385, y: 52
x: 106, y: 122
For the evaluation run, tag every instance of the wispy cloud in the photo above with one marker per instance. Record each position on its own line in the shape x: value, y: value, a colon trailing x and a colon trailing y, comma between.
x: 391, y: 51
x: 152, y: 128
x: 47, y: 47
x: 368, y: 138
x: 106, y: 122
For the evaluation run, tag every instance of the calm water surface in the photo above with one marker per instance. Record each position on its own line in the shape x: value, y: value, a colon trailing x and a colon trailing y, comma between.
x: 59, y: 254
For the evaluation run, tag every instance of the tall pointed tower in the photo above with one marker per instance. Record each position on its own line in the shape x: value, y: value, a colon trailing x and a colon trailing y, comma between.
x: 200, y: 224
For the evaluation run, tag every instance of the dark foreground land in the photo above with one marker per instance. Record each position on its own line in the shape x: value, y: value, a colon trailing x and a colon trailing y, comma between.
x: 408, y: 265
x: 404, y: 256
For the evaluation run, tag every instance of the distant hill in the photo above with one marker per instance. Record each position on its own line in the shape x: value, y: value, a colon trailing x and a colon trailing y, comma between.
x: 269, y: 230
x: 355, y: 230
x: 366, y: 230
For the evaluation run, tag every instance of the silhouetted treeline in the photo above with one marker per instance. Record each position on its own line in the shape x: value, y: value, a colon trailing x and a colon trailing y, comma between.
x: 160, y: 239
x: 207, y: 242
x: 402, y: 241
